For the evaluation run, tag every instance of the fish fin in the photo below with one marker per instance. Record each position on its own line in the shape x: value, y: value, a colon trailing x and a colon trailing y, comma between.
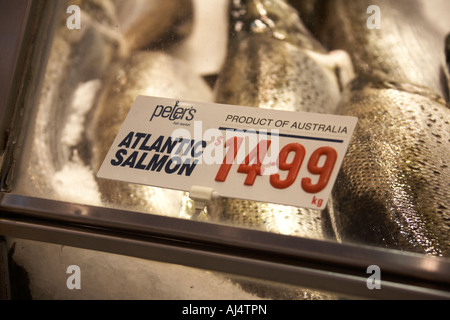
x: 339, y: 63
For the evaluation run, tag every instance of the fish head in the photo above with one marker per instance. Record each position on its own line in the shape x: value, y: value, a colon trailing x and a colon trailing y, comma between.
x: 275, y: 18
x: 273, y: 62
x: 395, y: 37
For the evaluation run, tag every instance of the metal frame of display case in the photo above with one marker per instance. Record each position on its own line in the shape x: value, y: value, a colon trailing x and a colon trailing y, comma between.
x: 321, y: 265
x: 316, y: 264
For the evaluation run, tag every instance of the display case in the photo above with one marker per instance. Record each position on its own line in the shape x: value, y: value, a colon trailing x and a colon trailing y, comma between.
x: 70, y: 71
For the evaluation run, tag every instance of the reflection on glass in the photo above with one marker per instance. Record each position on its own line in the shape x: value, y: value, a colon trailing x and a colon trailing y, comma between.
x: 47, y: 272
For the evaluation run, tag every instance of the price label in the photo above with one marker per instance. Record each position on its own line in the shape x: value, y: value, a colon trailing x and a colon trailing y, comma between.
x: 289, y: 158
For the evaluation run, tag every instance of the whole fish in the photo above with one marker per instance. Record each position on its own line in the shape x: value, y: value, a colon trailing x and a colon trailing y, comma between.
x: 274, y: 63
x: 146, y: 22
x: 394, y: 185
x: 152, y: 73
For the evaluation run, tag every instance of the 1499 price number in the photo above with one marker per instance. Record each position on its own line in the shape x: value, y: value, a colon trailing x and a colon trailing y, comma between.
x: 257, y: 155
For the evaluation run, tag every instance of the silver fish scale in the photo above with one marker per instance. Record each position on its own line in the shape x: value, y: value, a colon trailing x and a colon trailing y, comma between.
x: 394, y: 186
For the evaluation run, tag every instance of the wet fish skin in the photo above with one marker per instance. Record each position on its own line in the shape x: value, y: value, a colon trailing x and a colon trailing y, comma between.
x: 392, y: 190
x: 408, y: 47
x: 146, y: 22
x: 393, y: 187
x: 152, y: 73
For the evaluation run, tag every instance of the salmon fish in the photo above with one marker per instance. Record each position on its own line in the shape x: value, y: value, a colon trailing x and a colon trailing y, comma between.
x: 273, y: 62
x: 393, y: 188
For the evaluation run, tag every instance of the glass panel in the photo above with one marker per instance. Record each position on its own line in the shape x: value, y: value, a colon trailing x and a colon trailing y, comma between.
x: 393, y: 192
x: 49, y: 271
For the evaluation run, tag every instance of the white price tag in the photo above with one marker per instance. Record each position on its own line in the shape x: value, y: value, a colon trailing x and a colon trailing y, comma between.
x: 289, y: 158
